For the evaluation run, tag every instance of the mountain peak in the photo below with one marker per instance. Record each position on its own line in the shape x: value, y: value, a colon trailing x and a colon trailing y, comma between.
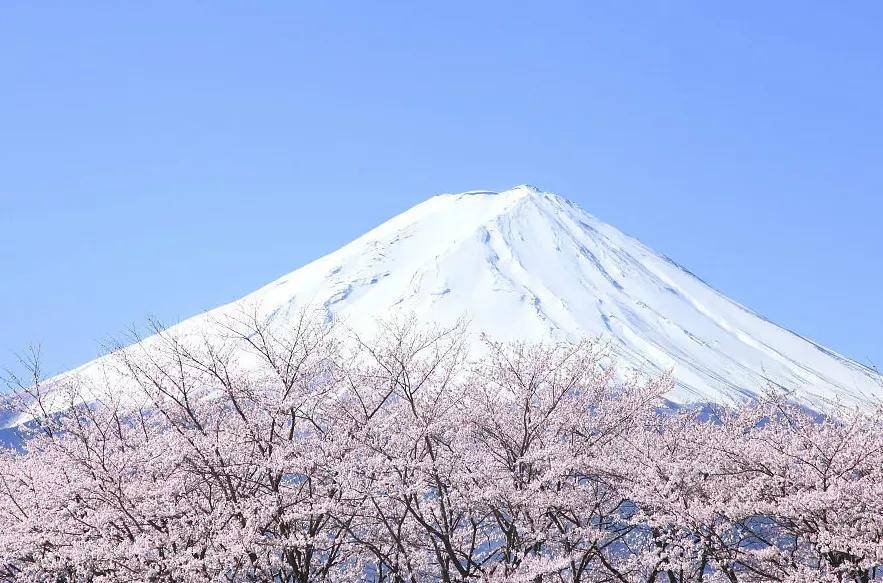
x: 525, y: 264
x: 549, y: 270
x: 528, y: 188
x: 520, y: 191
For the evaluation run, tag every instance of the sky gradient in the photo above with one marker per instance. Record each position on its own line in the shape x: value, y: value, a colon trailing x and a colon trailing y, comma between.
x: 164, y: 158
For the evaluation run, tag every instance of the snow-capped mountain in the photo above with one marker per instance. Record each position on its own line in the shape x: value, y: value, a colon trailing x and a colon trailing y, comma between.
x: 526, y: 264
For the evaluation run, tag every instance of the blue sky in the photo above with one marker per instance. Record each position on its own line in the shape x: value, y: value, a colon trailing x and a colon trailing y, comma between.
x: 163, y: 158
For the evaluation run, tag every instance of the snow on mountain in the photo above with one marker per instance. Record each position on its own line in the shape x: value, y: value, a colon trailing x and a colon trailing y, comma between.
x: 526, y: 264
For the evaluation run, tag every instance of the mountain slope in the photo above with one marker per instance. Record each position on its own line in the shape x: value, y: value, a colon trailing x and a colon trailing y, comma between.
x: 524, y: 264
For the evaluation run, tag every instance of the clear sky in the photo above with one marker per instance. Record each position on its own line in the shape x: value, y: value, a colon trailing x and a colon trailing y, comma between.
x: 166, y: 157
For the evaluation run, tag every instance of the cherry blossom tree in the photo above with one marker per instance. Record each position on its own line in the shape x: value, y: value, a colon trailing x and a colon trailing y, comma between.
x: 256, y: 453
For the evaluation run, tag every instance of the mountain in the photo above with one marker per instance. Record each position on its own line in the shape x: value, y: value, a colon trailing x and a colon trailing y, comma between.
x: 526, y: 264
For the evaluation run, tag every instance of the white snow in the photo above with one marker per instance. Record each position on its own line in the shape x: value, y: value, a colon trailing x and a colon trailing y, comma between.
x: 526, y: 264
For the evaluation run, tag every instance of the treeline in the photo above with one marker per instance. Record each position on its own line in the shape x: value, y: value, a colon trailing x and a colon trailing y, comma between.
x: 311, y: 455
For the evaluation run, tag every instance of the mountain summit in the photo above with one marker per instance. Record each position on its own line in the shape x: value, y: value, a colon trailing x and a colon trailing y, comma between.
x: 527, y: 264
